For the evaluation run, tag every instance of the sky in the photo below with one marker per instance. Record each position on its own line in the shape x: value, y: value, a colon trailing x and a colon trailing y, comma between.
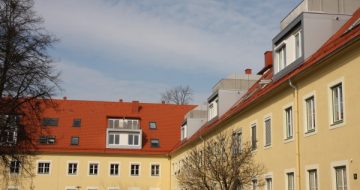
x: 137, y: 49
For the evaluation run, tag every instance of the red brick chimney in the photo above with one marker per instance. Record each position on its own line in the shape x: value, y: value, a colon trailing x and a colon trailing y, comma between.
x: 248, y: 71
x: 268, y: 58
x: 135, y: 106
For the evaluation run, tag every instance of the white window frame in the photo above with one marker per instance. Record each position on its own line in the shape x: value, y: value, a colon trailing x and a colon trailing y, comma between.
x: 43, y: 161
x: 285, y: 108
x: 332, y: 84
x: 77, y: 168
x: 309, y: 168
x: 139, y: 170
x: 280, y: 52
x: 159, y: 172
x: 92, y: 188
x: 113, y: 175
x: 268, y: 117
x: 298, y: 50
x: 133, y: 136
x: 288, y: 171
x: 308, y: 132
x: 98, y: 168
x: 341, y: 163
x: 254, y: 124
x: 268, y: 175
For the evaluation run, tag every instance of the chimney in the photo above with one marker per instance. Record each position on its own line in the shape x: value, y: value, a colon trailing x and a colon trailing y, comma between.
x: 248, y: 71
x: 120, y: 100
x: 163, y: 101
x: 64, y: 98
x: 135, y: 106
x: 268, y: 58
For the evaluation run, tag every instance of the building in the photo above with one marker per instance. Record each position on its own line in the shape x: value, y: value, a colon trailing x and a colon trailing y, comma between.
x: 300, y: 116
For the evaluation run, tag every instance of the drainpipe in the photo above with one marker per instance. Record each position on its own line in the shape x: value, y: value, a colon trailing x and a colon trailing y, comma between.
x: 297, y: 134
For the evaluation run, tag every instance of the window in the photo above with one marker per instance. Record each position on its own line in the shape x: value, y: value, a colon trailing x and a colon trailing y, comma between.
x: 72, y: 168
x: 313, y: 179
x: 76, y: 123
x: 310, y: 114
x: 134, y: 169
x: 47, y: 140
x: 254, y: 184
x: 50, y: 122
x: 213, y: 108
x: 155, y: 169
x: 155, y: 143
x: 281, y: 57
x: 43, y: 168
x: 268, y: 183
x: 114, y: 169
x: 15, y: 167
x: 152, y: 125
x: 290, y: 181
x: 298, y: 45
x: 253, y: 137
x: 236, y: 148
x: 337, y: 104
x: 133, y: 139
x: 267, y: 124
x: 113, y: 138
x: 340, y: 177
x: 123, y: 123
x: 183, y: 131
x: 75, y: 140
x: 288, y: 123
x: 93, y: 168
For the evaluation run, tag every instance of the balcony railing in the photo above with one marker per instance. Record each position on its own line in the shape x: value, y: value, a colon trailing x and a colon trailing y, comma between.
x: 129, y: 124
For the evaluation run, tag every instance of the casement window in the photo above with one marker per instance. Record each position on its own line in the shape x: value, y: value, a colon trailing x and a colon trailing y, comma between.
x: 113, y: 138
x: 72, y: 168
x: 236, y: 147
x: 281, y: 57
x: 134, y: 169
x: 93, y: 168
x: 289, y: 132
x: 268, y: 183
x: 253, y: 137
x: 75, y: 140
x: 114, y: 169
x: 337, y: 103
x: 183, y: 131
x: 43, y: 168
x: 152, y: 125
x: 155, y: 169
x: 133, y: 139
x: 50, y: 122
x: 267, y: 124
x: 313, y: 179
x: 290, y: 181
x: 298, y: 45
x: 15, y: 167
x: 340, y: 178
x: 155, y: 143
x: 310, y: 114
x: 77, y: 122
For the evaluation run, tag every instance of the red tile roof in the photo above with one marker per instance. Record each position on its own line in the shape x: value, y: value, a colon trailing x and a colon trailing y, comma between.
x: 94, y: 114
x: 340, y: 39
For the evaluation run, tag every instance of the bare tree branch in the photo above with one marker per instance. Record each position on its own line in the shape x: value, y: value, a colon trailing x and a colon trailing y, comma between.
x: 221, y: 163
x: 178, y: 95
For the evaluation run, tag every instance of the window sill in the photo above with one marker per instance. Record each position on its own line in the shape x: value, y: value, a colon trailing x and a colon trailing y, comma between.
x: 267, y: 146
x: 337, y: 124
x: 288, y: 140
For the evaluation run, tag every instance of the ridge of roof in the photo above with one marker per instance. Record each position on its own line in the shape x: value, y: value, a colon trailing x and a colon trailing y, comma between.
x: 338, y: 40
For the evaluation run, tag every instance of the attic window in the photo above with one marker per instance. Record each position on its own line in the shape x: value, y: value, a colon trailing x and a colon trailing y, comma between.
x: 47, y: 140
x: 152, y: 125
x: 77, y: 123
x: 155, y: 143
x: 50, y: 121
x: 75, y: 140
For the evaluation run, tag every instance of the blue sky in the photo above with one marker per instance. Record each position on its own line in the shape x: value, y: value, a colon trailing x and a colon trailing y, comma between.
x: 136, y: 49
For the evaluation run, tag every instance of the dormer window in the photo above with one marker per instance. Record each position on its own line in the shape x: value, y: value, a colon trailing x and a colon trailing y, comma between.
x: 124, y: 133
x: 123, y: 123
x: 152, y: 125
x: 281, y: 57
x: 213, y: 108
x: 184, y: 131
